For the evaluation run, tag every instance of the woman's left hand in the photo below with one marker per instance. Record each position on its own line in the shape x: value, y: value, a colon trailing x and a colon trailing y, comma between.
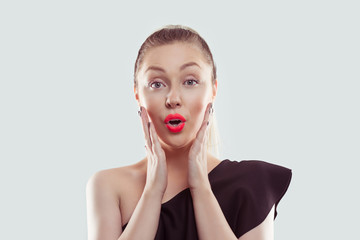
x: 198, y: 171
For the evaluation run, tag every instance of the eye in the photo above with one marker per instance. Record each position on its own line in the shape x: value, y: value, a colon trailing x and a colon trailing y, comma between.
x: 191, y: 82
x: 156, y: 84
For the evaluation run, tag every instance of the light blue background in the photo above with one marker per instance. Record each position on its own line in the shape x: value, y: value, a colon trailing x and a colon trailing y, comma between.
x: 288, y: 75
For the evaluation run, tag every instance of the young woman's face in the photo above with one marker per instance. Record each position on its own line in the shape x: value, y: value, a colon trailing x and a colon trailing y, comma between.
x: 175, y: 78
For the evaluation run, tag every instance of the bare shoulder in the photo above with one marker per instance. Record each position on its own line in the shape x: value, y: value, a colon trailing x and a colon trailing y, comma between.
x: 108, y: 207
x: 117, y: 179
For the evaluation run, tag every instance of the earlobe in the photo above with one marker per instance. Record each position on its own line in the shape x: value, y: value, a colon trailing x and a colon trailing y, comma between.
x: 136, y: 94
x: 214, y: 89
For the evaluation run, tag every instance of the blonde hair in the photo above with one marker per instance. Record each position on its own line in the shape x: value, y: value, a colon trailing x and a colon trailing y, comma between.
x: 213, y: 140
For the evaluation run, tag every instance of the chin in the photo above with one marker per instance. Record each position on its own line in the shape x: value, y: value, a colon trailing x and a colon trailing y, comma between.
x: 177, y: 141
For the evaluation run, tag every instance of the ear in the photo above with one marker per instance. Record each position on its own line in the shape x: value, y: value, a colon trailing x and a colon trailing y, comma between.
x: 214, y: 90
x: 136, y: 94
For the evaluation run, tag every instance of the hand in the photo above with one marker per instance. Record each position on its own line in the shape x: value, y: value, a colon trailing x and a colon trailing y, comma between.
x: 156, y: 174
x: 198, y: 172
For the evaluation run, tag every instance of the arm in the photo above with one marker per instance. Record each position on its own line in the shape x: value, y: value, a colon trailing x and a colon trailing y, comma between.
x: 104, y: 217
x: 211, y: 222
x: 146, y: 215
x: 103, y: 213
x: 147, y: 211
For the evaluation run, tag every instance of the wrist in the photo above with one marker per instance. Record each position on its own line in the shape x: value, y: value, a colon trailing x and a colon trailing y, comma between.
x: 153, y: 193
x: 204, y: 188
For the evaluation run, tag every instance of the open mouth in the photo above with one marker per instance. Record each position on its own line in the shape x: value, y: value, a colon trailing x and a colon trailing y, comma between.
x: 175, y: 122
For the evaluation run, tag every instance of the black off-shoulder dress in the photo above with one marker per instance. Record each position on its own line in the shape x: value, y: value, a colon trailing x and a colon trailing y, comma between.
x: 246, y: 192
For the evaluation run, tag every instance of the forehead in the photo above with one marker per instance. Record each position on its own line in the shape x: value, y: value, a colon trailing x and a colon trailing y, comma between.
x: 174, y: 55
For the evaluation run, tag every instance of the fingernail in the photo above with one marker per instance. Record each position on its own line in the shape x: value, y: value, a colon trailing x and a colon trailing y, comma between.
x: 207, y: 123
x: 148, y: 124
x: 139, y: 113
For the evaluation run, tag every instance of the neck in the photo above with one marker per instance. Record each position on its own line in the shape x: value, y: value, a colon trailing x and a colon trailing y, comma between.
x: 177, y: 158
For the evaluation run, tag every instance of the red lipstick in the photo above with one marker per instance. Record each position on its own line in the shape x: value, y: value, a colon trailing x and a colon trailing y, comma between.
x: 175, y: 122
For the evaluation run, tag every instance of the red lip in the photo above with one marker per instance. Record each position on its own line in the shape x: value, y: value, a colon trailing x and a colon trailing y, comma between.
x: 178, y: 127
x: 174, y: 116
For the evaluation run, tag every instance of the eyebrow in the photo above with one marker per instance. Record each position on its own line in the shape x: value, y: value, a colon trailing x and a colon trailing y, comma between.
x: 189, y: 64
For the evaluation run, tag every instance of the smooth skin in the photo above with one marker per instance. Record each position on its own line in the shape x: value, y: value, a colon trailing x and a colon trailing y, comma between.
x: 173, y: 78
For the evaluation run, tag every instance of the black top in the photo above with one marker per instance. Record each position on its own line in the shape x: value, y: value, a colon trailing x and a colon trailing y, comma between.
x: 246, y: 192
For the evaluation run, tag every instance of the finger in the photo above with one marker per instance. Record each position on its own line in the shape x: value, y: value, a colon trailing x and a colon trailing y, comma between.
x: 209, y: 112
x: 202, y: 131
x: 156, y: 147
x: 145, y: 124
x: 149, y: 157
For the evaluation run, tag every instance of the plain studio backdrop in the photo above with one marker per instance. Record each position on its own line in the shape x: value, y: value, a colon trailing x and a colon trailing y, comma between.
x: 288, y: 93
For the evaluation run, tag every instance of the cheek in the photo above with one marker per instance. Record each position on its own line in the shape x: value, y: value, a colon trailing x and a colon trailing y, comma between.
x: 197, y: 109
x: 148, y: 99
x: 197, y: 103
x: 153, y: 104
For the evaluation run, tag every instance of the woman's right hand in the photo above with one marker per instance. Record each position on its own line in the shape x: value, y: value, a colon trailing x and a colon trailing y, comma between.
x: 156, y: 174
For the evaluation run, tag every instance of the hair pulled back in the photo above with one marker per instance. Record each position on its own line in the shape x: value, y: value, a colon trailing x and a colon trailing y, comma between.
x: 178, y: 33
x: 170, y: 34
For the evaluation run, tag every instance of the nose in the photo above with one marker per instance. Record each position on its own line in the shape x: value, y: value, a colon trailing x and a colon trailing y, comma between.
x: 173, y: 99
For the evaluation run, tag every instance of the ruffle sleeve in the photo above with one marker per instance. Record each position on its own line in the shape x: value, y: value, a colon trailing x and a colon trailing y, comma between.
x: 247, y: 190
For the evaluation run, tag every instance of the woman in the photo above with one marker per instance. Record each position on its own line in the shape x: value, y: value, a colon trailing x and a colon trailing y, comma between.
x: 180, y: 190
